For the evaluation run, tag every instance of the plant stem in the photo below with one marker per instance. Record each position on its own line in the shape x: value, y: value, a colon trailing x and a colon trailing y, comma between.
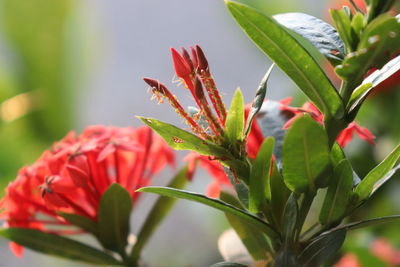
x: 303, y: 212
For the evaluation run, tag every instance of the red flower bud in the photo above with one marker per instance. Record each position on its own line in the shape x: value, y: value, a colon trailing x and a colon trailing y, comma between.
x: 201, y: 58
x: 181, y: 66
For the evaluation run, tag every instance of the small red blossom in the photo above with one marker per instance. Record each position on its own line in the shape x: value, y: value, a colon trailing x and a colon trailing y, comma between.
x: 347, y: 134
x: 74, y: 173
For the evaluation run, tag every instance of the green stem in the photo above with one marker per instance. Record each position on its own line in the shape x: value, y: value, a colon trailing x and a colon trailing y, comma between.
x: 303, y: 212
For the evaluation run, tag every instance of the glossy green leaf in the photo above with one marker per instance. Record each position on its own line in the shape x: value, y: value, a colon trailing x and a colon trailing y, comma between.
x: 257, y: 101
x: 372, y: 81
x: 362, y: 224
x: 275, y: 40
x: 157, y: 214
x: 181, y: 140
x: 82, y: 222
x: 256, y: 243
x: 227, y: 264
x: 338, y: 195
x: 322, y: 248
x: 320, y: 34
x: 56, y: 245
x: 343, y: 26
x: 375, y: 176
x: 306, y: 155
x: 214, y: 203
x: 379, y: 40
x: 377, y: 7
x: 235, y: 119
x: 357, y: 23
x: 113, y: 218
x: 260, y: 191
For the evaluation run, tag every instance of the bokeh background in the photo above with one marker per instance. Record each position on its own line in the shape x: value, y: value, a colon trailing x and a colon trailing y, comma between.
x: 67, y: 64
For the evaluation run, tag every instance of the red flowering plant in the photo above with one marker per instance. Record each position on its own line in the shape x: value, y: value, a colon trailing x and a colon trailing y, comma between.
x: 87, y: 184
x: 271, y: 161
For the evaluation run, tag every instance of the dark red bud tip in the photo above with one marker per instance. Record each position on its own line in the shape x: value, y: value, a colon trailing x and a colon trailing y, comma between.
x: 194, y: 57
x: 181, y: 66
x: 201, y: 58
x: 198, y: 89
x: 186, y: 56
x: 152, y: 82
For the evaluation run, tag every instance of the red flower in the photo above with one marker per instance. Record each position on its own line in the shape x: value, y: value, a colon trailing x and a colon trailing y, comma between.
x: 72, y: 176
x: 347, y: 134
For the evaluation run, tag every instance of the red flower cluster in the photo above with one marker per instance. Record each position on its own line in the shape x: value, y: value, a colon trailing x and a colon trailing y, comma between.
x: 194, y: 72
x: 72, y: 176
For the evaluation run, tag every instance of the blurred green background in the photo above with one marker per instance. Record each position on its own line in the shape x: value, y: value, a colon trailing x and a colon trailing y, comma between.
x: 66, y: 64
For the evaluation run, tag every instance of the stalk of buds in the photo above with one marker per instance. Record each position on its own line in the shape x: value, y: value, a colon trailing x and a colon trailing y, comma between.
x: 194, y: 72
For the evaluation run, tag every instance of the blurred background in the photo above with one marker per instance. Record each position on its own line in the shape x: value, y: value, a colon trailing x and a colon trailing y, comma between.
x: 67, y: 64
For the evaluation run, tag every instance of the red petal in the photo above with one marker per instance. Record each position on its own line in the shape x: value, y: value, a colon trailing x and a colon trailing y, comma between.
x: 18, y: 250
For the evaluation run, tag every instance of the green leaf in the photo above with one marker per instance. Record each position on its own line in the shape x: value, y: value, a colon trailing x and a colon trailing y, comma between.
x: 343, y: 26
x: 260, y: 190
x: 290, y: 218
x: 181, y: 140
x: 376, y: 175
x: 371, y: 82
x: 377, y: 7
x: 319, y: 33
x: 306, y: 156
x: 227, y: 264
x: 357, y: 23
x: 214, y: 203
x: 322, y: 248
x: 113, y: 218
x: 258, y: 101
x: 235, y: 119
x: 380, y: 39
x: 56, y: 245
x: 274, y: 40
x: 256, y: 243
x: 338, y: 195
x: 157, y: 213
x: 240, y: 187
x: 82, y: 222
x: 362, y: 224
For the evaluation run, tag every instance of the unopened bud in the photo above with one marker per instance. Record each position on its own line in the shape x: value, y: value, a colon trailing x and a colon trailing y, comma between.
x: 201, y: 58
x: 181, y: 66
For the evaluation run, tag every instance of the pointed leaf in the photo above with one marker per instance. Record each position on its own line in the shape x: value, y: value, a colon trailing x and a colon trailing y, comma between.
x: 260, y: 190
x: 157, y: 214
x: 343, y: 26
x: 214, y: 203
x: 227, y: 264
x: 113, y: 218
x: 362, y: 224
x: 322, y: 35
x: 258, y: 101
x: 371, y: 82
x: 235, y: 119
x: 305, y: 155
x: 376, y: 175
x: 56, y: 245
x: 181, y: 140
x: 274, y: 40
x: 82, y: 222
x: 255, y: 242
x: 322, y: 248
x: 338, y: 194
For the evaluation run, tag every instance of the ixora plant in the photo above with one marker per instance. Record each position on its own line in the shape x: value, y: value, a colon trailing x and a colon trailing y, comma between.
x: 270, y: 161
